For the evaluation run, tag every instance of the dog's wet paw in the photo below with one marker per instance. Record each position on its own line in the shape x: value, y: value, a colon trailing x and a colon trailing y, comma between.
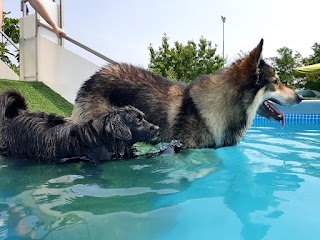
x: 176, y: 145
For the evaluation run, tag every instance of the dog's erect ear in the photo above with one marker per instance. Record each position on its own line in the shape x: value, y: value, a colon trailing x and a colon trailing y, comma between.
x: 120, y: 130
x: 252, y: 60
x: 259, y: 51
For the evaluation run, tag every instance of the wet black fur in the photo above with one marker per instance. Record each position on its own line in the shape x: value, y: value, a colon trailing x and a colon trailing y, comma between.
x: 51, y: 138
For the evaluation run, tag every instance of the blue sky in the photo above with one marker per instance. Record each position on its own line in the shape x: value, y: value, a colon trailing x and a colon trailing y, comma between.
x: 123, y: 30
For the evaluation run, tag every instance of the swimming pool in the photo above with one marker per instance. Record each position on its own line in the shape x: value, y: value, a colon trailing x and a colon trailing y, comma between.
x: 267, y: 187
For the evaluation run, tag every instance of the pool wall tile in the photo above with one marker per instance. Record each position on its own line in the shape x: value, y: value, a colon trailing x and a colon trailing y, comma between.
x: 290, y: 118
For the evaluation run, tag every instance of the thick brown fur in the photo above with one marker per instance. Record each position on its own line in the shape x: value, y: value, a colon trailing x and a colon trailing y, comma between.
x: 50, y: 137
x: 212, y: 111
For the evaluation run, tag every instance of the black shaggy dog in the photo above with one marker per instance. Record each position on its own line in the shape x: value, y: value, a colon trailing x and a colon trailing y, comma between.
x: 52, y: 138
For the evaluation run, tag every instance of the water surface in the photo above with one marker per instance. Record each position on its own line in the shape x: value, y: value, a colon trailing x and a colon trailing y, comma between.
x: 267, y: 187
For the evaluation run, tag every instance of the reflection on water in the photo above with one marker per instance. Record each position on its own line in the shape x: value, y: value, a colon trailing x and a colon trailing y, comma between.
x: 251, y: 191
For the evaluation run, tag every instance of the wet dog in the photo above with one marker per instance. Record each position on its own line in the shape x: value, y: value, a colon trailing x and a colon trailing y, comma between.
x: 52, y: 138
x: 212, y: 111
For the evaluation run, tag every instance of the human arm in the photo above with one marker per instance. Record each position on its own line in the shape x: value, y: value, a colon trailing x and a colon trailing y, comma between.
x: 43, y: 12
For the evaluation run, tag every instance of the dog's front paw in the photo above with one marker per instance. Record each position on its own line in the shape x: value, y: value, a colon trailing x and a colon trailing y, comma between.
x: 176, y: 145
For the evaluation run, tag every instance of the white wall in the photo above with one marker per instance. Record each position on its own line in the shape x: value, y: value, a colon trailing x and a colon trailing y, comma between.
x: 62, y: 70
x: 6, y: 72
x: 42, y: 59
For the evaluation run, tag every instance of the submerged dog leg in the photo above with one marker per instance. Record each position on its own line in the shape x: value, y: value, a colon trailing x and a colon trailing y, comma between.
x: 84, y: 158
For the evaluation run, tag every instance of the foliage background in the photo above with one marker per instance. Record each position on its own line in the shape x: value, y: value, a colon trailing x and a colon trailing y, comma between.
x: 9, y: 54
x: 184, y: 62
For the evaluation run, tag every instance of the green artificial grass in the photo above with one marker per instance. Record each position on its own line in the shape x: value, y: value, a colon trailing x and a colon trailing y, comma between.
x: 39, y: 97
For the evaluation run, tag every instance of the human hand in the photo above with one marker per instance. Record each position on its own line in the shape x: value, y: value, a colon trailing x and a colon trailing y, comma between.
x: 60, y: 33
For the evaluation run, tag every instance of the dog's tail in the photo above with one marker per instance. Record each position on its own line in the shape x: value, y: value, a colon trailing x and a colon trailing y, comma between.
x: 11, y: 104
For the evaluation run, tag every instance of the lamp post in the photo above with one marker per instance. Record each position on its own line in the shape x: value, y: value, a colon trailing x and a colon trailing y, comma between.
x: 223, y: 20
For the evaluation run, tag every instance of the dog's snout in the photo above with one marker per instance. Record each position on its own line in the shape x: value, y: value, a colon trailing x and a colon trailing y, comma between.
x: 154, y: 127
x: 299, y: 98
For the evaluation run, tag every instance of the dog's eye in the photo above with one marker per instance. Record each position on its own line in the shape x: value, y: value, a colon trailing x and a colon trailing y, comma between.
x: 139, y: 120
x: 276, y: 81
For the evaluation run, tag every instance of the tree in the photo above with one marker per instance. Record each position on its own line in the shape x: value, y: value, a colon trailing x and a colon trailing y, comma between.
x: 313, y: 59
x: 184, y: 62
x: 284, y: 63
x: 7, y: 54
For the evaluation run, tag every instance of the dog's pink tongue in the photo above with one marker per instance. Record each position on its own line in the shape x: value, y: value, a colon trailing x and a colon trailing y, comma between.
x: 276, y: 110
x: 282, y: 120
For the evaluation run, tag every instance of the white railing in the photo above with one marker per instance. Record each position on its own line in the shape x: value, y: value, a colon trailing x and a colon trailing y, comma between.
x: 9, y: 40
x: 5, y: 69
x: 109, y: 60
x: 43, y: 57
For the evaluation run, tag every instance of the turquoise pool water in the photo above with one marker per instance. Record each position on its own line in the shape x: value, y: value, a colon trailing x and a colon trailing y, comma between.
x: 267, y: 187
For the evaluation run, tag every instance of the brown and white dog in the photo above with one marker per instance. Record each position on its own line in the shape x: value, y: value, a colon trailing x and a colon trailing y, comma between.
x: 212, y: 111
